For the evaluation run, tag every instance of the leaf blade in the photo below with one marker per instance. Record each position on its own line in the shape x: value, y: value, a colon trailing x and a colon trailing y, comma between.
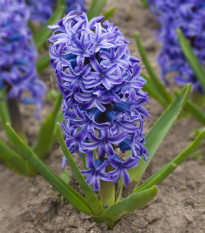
x: 153, y: 91
x: 79, y: 202
x: 96, y: 8
x: 160, y: 175
x: 95, y: 204
x: 45, y: 136
x: 134, y: 201
x: 43, y: 63
x: 159, y: 131
x: 13, y: 160
x: 109, y: 13
x: 161, y: 88
x: 191, y: 58
x: 195, y: 111
x: 40, y: 37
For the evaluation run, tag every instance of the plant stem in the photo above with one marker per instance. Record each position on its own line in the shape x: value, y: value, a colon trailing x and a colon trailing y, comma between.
x: 15, y: 115
x: 107, y: 191
x: 4, y: 112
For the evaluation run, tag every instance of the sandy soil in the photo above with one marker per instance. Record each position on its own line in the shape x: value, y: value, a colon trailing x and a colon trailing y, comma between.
x: 29, y: 205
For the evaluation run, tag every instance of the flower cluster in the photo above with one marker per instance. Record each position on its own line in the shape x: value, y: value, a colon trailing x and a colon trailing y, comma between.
x: 78, y: 5
x: 189, y: 16
x: 40, y: 10
x: 103, y: 98
x: 17, y: 61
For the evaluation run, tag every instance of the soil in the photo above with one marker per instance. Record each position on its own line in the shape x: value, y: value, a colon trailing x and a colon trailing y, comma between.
x: 30, y: 205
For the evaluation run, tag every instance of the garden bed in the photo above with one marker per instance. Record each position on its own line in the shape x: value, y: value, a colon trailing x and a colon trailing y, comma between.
x: 29, y: 205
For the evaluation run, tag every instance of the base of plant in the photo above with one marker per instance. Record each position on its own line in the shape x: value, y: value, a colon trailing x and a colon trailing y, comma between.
x: 110, y: 223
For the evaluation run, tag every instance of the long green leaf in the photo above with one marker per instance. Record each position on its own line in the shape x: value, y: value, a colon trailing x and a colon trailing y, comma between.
x: 159, y: 176
x: 4, y: 112
x: 159, y: 131
x: 153, y: 91
x: 95, y: 8
x: 134, y: 201
x: 94, y: 202
x: 65, y: 176
x: 79, y: 202
x: 145, y: 3
x: 195, y: 111
x: 44, y: 139
x: 13, y: 160
x: 161, y: 88
x: 109, y: 13
x: 99, y: 7
x: 43, y: 63
x: 44, y: 33
x: 91, y: 9
x: 192, y: 58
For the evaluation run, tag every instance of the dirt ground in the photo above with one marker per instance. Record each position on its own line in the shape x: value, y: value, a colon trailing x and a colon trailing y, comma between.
x: 29, y: 205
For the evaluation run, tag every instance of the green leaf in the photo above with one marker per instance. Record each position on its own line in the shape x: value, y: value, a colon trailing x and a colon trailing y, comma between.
x: 159, y: 131
x: 4, y: 111
x: 61, y: 3
x: 195, y: 111
x: 159, y: 176
x: 44, y: 140
x: 109, y: 13
x: 60, y: 117
x: 153, y: 91
x: 145, y: 3
x: 65, y: 176
x: 191, y: 58
x: 52, y: 95
x: 72, y: 196
x: 91, y: 8
x: 135, y: 201
x: 161, y: 88
x: 95, y: 8
x: 43, y: 63
x: 13, y: 160
x: 41, y: 37
x: 91, y: 197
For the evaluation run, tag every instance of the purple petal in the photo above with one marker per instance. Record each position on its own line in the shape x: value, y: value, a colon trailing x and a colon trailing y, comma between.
x: 125, y: 176
x: 117, y: 138
x: 90, y: 160
x: 64, y: 162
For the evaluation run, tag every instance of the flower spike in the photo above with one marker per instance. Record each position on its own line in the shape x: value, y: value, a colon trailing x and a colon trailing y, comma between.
x: 103, y: 97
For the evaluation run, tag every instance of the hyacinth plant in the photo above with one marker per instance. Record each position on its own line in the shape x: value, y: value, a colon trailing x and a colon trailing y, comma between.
x: 182, y: 54
x: 18, y: 73
x: 189, y: 17
x: 42, y: 10
x: 19, y: 83
x: 103, y: 100
x: 103, y: 107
